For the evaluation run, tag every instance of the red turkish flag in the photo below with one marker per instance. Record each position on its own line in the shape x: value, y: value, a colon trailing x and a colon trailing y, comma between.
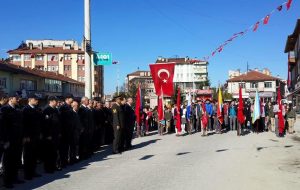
x: 280, y: 116
x: 160, y: 107
x: 240, y: 116
x: 138, y: 105
x: 178, y: 117
x: 266, y: 19
x: 162, y: 75
x: 255, y: 26
x: 288, y: 4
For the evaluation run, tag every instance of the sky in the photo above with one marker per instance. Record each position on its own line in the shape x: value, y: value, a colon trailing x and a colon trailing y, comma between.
x: 136, y: 32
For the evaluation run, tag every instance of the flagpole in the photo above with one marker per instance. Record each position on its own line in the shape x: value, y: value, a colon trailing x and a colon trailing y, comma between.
x: 87, y: 48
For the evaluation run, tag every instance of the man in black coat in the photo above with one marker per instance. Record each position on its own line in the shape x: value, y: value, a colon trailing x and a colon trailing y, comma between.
x: 77, y: 129
x: 118, y: 125
x: 51, y: 133
x: 11, y: 136
x: 108, y: 119
x: 129, y: 124
x: 87, y: 120
x: 31, y: 136
x: 66, y: 132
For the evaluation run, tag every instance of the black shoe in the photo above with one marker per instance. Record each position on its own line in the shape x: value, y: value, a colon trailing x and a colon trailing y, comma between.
x: 28, y: 177
x: 115, y: 152
x: 8, y: 186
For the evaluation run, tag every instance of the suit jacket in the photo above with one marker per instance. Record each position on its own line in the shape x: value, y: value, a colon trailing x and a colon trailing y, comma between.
x: 32, y: 118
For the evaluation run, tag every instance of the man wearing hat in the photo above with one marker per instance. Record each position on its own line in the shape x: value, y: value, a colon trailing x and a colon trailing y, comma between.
x: 118, y: 124
x: 11, y: 137
x: 51, y: 132
x: 31, y: 136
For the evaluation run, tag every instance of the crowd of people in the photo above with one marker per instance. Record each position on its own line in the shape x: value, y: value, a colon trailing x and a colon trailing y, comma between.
x: 62, y: 133
x: 201, y: 116
x: 59, y: 134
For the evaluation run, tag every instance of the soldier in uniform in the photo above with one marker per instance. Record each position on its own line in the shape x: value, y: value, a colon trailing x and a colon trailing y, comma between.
x: 118, y: 124
x: 129, y: 124
x: 66, y: 125
x: 51, y: 132
x: 11, y: 136
x: 31, y: 136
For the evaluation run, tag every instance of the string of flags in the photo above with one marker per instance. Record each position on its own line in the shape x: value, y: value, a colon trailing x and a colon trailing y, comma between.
x: 253, y: 28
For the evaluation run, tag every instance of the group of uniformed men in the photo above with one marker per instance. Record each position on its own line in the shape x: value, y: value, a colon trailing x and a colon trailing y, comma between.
x: 61, y: 134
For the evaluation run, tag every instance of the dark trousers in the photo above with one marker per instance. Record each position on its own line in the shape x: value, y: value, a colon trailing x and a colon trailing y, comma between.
x: 117, y: 142
x: 50, y: 155
x: 128, y: 133
x: 10, y: 166
x: 30, y: 158
x: 84, y: 145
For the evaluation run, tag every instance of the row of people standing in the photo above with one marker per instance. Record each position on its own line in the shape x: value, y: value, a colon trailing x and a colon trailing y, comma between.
x: 60, y: 134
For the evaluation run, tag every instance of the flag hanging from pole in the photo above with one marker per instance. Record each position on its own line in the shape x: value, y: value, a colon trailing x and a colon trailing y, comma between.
x: 138, y: 105
x: 160, y: 107
x: 256, y: 111
x: 219, y: 109
x: 280, y: 116
x: 256, y: 26
x: 162, y: 75
x: 178, y: 117
x: 240, y: 116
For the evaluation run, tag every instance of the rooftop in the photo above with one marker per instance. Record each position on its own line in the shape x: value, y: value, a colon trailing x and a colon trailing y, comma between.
x: 186, y: 60
x: 6, y: 66
x: 292, y: 39
x: 253, y: 76
x: 45, y: 50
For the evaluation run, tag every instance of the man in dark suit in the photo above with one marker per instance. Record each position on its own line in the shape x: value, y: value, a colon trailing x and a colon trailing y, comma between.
x: 31, y: 136
x: 198, y: 110
x: 118, y: 125
x: 129, y: 124
x: 76, y: 131
x: 51, y: 131
x: 86, y: 119
x: 66, y: 126
x: 11, y: 136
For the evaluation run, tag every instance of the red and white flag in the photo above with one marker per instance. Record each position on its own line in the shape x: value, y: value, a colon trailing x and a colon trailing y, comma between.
x: 266, y: 19
x: 138, y: 106
x: 160, y: 108
x: 162, y: 75
x: 255, y: 27
x: 288, y: 4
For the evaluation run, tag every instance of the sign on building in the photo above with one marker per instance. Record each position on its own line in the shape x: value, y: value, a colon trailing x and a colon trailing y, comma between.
x: 103, y: 58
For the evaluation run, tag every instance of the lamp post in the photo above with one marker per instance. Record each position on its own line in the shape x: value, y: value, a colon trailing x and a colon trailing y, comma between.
x: 87, y: 48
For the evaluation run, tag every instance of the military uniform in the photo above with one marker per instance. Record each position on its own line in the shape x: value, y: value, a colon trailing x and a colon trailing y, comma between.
x: 118, y: 126
x: 32, y: 132
x: 51, y: 131
x: 11, y: 136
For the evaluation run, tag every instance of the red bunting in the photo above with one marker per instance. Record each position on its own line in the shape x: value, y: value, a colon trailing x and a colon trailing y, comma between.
x: 279, y: 8
x: 266, y: 19
x: 220, y: 49
x: 288, y: 4
x: 255, y: 27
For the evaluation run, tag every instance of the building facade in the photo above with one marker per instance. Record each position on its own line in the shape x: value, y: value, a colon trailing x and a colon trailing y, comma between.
x: 26, y: 81
x: 147, y: 86
x: 64, y: 57
x: 251, y: 81
x: 292, y: 48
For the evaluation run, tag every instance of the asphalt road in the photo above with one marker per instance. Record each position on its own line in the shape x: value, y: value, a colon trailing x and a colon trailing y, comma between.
x: 255, y: 161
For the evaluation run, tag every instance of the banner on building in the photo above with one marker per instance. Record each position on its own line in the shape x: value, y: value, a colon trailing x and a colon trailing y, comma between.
x: 103, y: 58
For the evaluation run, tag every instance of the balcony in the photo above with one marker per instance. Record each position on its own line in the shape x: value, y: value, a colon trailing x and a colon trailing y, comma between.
x: 291, y: 58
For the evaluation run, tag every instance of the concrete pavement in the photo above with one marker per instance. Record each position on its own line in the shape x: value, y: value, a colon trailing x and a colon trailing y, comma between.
x: 255, y: 161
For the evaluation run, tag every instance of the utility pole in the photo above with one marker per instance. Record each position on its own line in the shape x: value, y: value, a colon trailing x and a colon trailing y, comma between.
x: 87, y: 48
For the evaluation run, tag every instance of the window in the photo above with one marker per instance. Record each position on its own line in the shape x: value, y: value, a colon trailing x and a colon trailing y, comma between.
x: 254, y: 85
x: 80, y: 79
x: 268, y: 84
x: 39, y: 67
x: 27, y: 57
x: 53, y: 85
x: 16, y: 57
x: 67, y: 67
x: 27, y: 85
x: 242, y: 85
x: 52, y: 68
x: 80, y: 67
x: 39, y: 57
x: 2, y: 82
x: 52, y: 57
x: 80, y: 56
x: 67, y: 57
